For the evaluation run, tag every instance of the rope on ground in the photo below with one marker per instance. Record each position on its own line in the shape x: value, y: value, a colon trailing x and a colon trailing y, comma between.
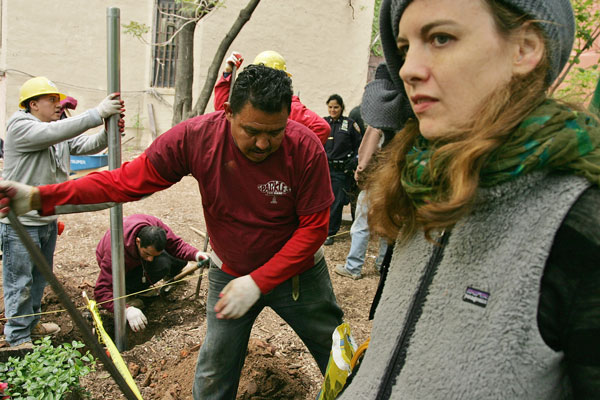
x: 103, y: 302
x: 339, y: 234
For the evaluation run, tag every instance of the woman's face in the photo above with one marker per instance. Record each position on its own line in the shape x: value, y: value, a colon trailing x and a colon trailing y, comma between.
x: 454, y: 59
x: 334, y: 108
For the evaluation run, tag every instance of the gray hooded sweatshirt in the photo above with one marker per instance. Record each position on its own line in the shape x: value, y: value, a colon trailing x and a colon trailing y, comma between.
x: 38, y: 153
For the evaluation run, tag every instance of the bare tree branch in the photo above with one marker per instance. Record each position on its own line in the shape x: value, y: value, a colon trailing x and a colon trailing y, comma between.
x: 213, y: 70
x: 182, y: 103
x: 578, y: 52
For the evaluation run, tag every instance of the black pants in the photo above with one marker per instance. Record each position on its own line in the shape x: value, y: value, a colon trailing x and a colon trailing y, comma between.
x: 143, y: 276
x: 340, y: 184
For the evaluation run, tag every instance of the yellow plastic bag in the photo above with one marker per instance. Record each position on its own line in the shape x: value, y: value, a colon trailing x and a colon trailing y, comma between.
x: 340, y: 365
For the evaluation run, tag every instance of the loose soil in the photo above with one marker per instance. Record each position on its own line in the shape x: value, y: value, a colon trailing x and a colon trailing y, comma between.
x: 162, y: 358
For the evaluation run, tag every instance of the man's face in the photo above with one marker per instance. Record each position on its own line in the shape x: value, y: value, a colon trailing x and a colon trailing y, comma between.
x: 256, y: 133
x: 147, y: 253
x: 46, y: 108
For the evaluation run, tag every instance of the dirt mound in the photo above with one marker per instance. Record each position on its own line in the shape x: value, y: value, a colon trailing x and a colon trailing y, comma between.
x: 269, y: 376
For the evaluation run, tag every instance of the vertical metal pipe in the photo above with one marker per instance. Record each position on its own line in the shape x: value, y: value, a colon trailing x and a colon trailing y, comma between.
x: 114, y: 161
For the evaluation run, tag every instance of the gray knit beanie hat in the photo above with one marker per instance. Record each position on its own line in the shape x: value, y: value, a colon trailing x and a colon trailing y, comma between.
x: 554, y: 17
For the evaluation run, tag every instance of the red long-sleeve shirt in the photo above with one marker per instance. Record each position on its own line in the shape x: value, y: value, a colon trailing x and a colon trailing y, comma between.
x: 264, y: 219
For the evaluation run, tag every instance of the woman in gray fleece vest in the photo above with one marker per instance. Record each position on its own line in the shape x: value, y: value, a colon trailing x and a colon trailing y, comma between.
x: 491, y: 193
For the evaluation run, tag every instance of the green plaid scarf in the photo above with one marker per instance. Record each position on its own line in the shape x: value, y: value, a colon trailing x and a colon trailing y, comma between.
x: 552, y: 137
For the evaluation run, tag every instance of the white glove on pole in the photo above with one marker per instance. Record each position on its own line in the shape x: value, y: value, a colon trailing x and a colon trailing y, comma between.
x: 111, y: 105
x: 235, y: 60
x: 15, y: 195
x: 136, y: 318
x: 237, y: 297
x: 201, y: 255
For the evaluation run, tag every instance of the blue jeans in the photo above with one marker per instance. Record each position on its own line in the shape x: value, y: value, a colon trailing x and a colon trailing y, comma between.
x: 339, y: 186
x: 359, y: 233
x: 23, y: 283
x: 314, y: 317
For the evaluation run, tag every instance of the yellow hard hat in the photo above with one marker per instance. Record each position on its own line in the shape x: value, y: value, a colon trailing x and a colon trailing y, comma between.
x: 37, y: 86
x: 272, y: 59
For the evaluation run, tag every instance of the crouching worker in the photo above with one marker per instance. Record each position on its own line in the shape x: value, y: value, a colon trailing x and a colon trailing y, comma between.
x: 265, y: 194
x: 152, y: 252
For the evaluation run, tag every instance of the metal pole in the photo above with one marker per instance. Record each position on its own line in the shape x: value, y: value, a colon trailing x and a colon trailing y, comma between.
x: 88, y: 338
x: 114, y: 161
x: 233, y: 71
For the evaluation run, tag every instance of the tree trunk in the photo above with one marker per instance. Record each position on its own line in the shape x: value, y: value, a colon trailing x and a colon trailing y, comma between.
x: 213, y: 70
x: 184, y: 78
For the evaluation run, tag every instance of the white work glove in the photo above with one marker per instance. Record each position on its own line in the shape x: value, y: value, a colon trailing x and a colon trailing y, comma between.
x: 237, y: 297
x: 235, y: 59
x: 111, y: 105
x: 15, y: 196
x: 136, y: 318
x: 201, y: 256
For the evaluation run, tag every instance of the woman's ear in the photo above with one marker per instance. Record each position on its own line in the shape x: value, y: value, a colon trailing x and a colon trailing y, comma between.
x: 529, y: 49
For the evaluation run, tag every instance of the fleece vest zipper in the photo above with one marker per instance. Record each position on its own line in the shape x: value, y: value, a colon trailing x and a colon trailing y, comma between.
x: 416, y: 307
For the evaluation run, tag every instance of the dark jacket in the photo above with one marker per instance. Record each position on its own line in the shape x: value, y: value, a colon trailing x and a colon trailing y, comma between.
x: 342, y: 145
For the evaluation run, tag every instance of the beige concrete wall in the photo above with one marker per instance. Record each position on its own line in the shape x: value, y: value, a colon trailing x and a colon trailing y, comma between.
x: 325, y: 44
x: 66, y: 42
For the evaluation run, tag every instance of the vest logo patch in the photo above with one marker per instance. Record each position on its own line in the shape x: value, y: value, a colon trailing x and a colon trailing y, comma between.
x: 274, y: 188
x: 477, y: 297
x: 344, y: 127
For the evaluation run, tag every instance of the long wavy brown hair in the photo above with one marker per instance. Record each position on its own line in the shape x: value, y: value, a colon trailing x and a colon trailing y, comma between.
x: 392, y: 214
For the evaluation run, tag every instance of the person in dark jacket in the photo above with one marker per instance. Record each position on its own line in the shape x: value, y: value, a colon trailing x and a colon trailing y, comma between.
x: 491, y: 194
x: 342, y: 154
x: 152, y: 252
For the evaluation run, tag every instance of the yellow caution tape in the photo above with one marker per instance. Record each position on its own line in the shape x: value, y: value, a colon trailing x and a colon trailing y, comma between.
x: 112, y: 349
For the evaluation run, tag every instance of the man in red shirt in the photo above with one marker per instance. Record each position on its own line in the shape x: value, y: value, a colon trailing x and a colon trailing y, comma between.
x: 152, y: 252
x: 272, y: 59
x: 265, y: 190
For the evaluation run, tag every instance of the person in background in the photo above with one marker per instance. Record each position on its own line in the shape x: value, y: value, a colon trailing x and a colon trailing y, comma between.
x: 356, y: 116
x: 152, y: 252
x: 359, y: 231
x: 261, y: 179
x: 37, y: 151
x: 271, y: 59
x: 354, y: 190
x: 66, y: 104
x: 491, y: 194
x: 342, y: 151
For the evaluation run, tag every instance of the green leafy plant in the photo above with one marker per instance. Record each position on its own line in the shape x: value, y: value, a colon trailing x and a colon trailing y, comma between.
x: 576, y: 84
x: 48, y: 372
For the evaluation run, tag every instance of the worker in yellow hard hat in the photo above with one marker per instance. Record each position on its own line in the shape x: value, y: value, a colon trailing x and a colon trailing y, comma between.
x: 271, y: 59
x: 37, y: 87
x: 37, y: 150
